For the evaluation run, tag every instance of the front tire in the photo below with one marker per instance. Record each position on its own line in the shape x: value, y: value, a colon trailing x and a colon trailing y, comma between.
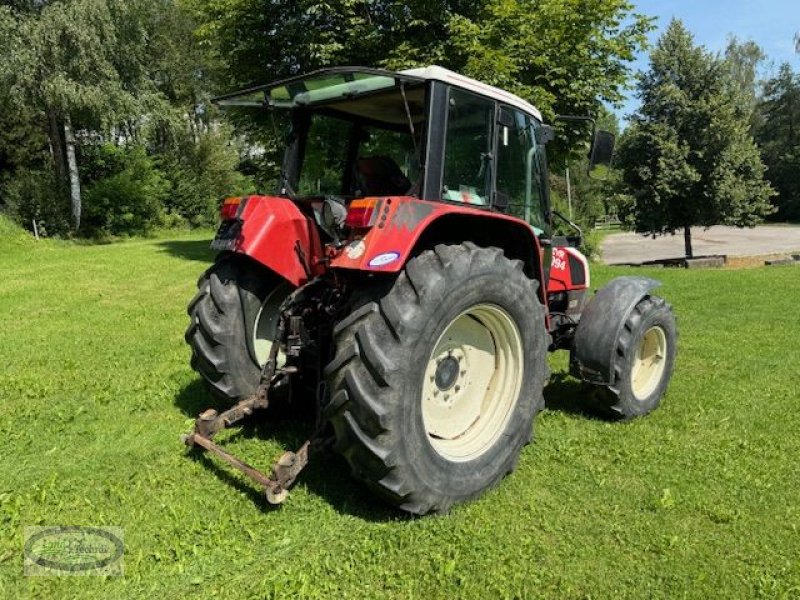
x: 646, y: 351
x: 231, y: 325
x: 435, y: 383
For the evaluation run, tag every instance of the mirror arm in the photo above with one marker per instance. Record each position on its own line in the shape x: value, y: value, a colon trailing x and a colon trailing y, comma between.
x: 568, y: 222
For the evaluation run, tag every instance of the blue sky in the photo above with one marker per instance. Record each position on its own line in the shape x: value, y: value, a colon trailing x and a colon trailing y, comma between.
x: 770, y: 23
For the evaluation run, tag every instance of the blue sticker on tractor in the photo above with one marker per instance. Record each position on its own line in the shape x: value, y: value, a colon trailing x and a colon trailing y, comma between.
x: 384, y: 259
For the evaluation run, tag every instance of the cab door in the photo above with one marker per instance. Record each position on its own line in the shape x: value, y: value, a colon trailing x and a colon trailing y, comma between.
x: 520, y: 175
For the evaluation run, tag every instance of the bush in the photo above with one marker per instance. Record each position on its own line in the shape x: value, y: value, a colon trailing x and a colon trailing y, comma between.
x: 35, y: 194
x: 127, y: 195
x: 201, y: 174
x: 592, y: 244
x: 10, y: 231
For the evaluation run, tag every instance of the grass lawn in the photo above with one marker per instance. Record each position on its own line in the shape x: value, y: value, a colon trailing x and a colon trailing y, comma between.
x: 701, y: 499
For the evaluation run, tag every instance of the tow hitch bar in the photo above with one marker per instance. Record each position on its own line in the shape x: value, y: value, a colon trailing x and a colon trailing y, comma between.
x: 286, y: 469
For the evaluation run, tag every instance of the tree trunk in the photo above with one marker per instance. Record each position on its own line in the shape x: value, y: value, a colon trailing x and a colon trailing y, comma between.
x: 74, y: 177
x: 687, y: 241
x: 57, y: 151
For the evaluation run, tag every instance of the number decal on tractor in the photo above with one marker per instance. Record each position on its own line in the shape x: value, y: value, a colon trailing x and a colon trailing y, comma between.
x: 559, y: 260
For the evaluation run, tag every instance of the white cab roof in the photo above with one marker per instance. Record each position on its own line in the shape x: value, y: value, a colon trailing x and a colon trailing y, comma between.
x: 473, y: 85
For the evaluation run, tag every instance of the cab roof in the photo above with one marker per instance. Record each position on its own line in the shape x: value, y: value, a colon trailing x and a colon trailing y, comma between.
x: 326, y: 84
x: 473, y: 85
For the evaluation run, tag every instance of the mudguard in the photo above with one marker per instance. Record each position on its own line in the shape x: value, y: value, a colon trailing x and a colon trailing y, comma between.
x: 593, y: 355
x: 274, y: 232
x: 400, y: 222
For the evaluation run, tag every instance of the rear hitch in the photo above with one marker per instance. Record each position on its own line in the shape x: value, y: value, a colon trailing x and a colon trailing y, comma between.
x: 285, y: 470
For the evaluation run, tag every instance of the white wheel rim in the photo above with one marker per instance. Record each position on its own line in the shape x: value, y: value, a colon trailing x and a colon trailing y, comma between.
x: 649, y: 363
x: 472, y: 382
x: 265, y: 323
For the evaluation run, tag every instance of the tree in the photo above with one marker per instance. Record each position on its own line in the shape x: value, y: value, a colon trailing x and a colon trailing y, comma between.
x: 57, y: 60
x: 743, y: 60
x: 564, y: 56
x: 79, y: 66
x: 688, y: 157
x: 778, y: 135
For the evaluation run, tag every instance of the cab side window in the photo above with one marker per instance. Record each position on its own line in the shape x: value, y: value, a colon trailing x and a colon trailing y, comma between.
x: 519, y: 172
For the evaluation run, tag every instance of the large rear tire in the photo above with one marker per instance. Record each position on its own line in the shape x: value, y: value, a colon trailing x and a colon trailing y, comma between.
x: 232, y: 324
x: 435, y: 383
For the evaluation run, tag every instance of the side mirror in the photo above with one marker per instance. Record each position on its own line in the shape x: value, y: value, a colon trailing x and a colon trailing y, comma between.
x: 545, y: 134
x: 602, y: 149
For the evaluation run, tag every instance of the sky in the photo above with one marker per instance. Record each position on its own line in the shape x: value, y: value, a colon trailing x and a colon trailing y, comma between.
x: 772, y: 24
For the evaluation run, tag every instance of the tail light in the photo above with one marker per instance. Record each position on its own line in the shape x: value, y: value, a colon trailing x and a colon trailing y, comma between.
x: 361, y: 213
x: 231, y: 208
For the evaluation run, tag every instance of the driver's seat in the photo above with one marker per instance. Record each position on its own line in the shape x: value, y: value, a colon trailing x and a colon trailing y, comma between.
x: 380, y: 176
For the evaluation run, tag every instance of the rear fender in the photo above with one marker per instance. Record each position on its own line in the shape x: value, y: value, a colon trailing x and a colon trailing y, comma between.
x: 405, y: 226
x: 274, y: 232
x: 593, y: 356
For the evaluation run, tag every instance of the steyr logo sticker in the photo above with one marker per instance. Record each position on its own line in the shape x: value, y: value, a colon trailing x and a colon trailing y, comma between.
x: 384, y: 259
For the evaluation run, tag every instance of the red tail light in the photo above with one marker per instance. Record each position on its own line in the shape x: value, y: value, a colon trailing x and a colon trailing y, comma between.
x: 361, y: 213
x: 230, y: 208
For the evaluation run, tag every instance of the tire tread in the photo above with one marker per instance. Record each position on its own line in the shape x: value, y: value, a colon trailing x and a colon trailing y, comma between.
x: 361, y: 374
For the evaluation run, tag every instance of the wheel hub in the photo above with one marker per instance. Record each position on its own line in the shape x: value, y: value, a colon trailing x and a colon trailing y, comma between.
x: 472, y: 382
x: 447, y: 373
x: 649, y: 363
x: 265, y: 323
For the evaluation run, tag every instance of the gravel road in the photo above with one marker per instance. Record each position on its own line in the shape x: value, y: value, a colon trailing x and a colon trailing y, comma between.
x: 766, y: 239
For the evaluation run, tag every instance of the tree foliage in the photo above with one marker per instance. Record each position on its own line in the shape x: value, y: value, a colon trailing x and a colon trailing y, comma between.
x: 778, y: 134
x: 105, y: 95
x: 129, y: 197
x: 75, y: 64
x: 743, y: 59
x: 564, y: 56
x: 688, y: 157
x: 77, y: 76
x: 202, y: 171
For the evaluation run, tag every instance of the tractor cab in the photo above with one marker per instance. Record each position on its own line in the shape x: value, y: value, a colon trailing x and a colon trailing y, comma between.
x: 426, y: 133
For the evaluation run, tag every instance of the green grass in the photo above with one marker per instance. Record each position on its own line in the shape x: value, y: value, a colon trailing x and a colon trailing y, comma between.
x: 700, y: 499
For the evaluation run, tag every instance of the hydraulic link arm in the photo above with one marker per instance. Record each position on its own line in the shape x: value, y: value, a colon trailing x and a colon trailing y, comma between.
x: 285, y: 470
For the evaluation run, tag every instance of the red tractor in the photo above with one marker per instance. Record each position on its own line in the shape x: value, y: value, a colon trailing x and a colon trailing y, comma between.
x: 406, y: 274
